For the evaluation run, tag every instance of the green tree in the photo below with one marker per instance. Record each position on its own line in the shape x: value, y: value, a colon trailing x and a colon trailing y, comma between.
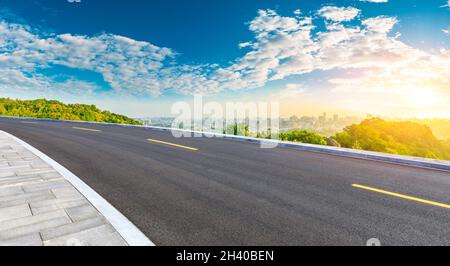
x: 304, y: 137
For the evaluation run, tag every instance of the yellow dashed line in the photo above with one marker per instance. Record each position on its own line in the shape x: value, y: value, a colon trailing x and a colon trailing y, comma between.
x: 87, y: 129
x: 442, y: 205
x: 172, y: 144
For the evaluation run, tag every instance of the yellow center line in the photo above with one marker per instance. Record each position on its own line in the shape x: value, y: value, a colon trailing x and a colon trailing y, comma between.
x: 442, y: 205
x: 87, y: 129
x: 172, y: 144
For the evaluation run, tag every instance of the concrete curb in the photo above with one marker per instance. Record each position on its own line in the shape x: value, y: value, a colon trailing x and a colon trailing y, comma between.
x: 358, y: 154
x: 129, y: 232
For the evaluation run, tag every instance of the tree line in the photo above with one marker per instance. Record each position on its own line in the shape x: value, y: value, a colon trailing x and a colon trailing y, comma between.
x: 42, y: 108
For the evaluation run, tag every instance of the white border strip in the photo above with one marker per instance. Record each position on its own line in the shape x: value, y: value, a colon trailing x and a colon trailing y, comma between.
x: 129, y: 232
x: 358, y: 154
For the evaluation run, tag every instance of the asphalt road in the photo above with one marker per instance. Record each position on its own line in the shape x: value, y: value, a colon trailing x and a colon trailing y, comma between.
x: 223, y: 192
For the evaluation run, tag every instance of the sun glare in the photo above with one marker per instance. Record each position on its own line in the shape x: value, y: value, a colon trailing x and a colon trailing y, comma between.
x: 422, y: 97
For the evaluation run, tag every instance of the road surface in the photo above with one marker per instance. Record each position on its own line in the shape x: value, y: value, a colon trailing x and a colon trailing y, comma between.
x: 201, y: 191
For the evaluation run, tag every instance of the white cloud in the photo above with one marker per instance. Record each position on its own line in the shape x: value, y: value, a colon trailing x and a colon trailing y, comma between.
x: 446, y: 31
x: 380, y: 24
x: 20, y: 84
x: 291, y: 91
x: 339, y: 14
x: 447, y: 4
x: 125, y: 64
x: 78, y: 87
x: 268, y: 20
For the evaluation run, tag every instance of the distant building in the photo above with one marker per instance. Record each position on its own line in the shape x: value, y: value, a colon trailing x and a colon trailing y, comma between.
x: 323, y: 118
x: 336, y: 118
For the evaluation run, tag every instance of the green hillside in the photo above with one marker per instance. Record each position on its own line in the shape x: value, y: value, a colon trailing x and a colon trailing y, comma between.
x: 43, y: 108
x: 405, y: 138
x: 439, y: 126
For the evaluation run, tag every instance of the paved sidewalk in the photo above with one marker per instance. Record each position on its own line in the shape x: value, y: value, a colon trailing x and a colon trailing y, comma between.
x: 39, y: 207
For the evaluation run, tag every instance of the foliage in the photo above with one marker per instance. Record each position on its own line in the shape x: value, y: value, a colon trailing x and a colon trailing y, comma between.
x: 43, y: 108
x: 238, y: 129
x: 304, y: 137
x: 439, y: 126
x: 405, y: 138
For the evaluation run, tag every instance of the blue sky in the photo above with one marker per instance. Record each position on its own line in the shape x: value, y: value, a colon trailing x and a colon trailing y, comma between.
x: 138, y: 57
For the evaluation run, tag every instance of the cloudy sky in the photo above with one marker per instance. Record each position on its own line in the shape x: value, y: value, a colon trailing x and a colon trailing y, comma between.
x: 385, y: 57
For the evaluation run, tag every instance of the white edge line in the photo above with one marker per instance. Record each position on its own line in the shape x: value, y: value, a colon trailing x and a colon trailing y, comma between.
x: 129, y: 232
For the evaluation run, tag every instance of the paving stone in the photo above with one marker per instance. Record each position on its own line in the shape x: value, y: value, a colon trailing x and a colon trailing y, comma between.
x: 40, y: 166
x: 14, y: 212
x: 65, y: 192
x: 5, y: 146
x: 17, y: 168
x: 19, y: 181
x: 46, y: 185
x: 10, y: 224
x: 33, y: 228
x: 21, y: 241
x: 103, y: 235
x: 21, y: 161
x: 9, y: 191
x: 5, y: 173
x: 27, y: 153
x: 51, y: 175
x: 25, y: 198
x: 72, y: 228
x: 21, y: 176
x: 15, y: 177
x: 34, y: 171
x: 56, y: 201
x: 58, y: 206
x: 82, y: 212
x: 8, y: 154
x: 11, y: 156
x: 18, y: 163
